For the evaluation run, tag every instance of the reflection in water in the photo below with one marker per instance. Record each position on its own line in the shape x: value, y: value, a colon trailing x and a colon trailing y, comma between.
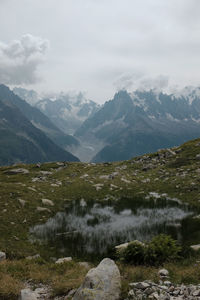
x: 93, y: 228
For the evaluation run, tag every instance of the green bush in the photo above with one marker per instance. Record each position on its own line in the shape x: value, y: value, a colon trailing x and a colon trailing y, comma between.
x: 162, y: 248
x: 134, y: 253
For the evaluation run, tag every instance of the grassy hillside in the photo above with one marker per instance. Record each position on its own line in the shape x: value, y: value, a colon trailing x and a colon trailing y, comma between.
x: 173, y: 172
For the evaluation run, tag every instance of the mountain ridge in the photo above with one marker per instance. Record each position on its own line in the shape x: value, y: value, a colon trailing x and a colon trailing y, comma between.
x: 141, y: 122
x: 20, y: 139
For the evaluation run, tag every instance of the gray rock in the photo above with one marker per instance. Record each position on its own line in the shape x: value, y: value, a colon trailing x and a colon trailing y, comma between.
x: 163, y: 273
x: 101, y: 283
x: 196, y: 293
x: 195, y: 247
x: 47, y: 202
x: 2, y: 256
x: 140, y: 285
x: 27, y: 294
x: 33, y: 257
x: 63, y: 260
x: 22, y: 202
x: 18, y: 171
x: 42, y: 209
x: 168, y: 283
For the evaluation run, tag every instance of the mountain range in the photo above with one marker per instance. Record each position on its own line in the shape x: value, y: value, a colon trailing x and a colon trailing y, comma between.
x: 126, y: 126
x: 136, y: 123
x: 21, y: 141
x: 66, y: 111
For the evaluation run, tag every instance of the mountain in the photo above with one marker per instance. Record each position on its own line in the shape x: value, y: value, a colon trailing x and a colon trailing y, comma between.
x: 21, y: 141
x: 29, y: 95
x: 42, y: 122
x: 136, y: 123
x: 67, y: 112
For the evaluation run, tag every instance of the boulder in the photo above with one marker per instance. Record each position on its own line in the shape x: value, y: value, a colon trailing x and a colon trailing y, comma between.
x: 101, y: 283
x: 2, y: 256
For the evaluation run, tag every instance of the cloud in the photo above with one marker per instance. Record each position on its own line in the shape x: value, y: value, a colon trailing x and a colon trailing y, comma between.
x: 20, y: 59
x: 141, y: 81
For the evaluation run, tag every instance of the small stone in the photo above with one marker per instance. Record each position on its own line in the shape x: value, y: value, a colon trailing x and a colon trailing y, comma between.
x: 163, y: 273
x: 171, y: 288
x: 42, y: 209
x: 176, y: 292
x: 139, y: 285
x: 2, y: 256
x: 121, y: 247
x: 47, y: 202
x: 28, y: 294
x: 22, y: 202
x: 196, y: 293
x: 33, y: 257
x: 17, y: 171
x: 167, y: 283
x: 148, y: 291
x: 70, y: 294
x: 155, y: 296
x: 131, y: 294
x: 63, y: 260
x: 195, y: 247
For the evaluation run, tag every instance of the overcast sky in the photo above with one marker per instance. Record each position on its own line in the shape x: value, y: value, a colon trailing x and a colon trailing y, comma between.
x: 99, y: 46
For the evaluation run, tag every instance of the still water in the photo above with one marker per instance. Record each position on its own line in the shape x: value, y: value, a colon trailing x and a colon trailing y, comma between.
x: 94, y: 228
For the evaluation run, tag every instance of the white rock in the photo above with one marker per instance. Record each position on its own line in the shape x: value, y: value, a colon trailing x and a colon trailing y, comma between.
x: 47, y: 202
x: 101, y: 283
x: 121, y: 246
x: 98, y: 186
x: 22, y: 202
x: 28, y: 294
x: 33, y: 257
x: 2, y: 256
x: 163, y: 273
x: 125, y: 180
x: 140, y: 285
x: 106, y: 177
x: 42, y: 209
x: 63, y: 260
x: 18, y: 171
x: 195, y: 247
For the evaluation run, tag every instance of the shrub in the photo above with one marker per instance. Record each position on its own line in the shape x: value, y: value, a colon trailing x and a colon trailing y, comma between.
x: 134, y: 253
x: 162, y: 248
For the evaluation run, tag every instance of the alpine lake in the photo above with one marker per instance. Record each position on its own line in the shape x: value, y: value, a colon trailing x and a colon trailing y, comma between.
x: 92, y: 229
